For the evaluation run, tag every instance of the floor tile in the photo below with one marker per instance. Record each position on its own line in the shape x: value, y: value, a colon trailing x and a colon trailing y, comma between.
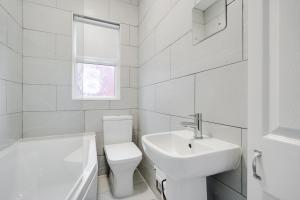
x: 103, y: 184
x: 141, y: 189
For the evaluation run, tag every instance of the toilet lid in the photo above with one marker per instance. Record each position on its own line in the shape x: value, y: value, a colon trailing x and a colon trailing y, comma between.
x: 118, y: 153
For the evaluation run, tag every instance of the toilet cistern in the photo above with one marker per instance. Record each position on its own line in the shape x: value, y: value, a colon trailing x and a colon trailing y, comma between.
x: 196, y: 125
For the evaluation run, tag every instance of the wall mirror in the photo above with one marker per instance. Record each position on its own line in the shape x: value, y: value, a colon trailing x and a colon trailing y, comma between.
x: 209, y: 18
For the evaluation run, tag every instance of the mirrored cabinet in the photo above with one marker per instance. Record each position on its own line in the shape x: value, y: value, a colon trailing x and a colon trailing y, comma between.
x: 209, y: 18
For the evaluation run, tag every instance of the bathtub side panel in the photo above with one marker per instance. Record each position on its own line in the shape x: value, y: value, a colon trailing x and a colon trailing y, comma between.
x: 92, y: 192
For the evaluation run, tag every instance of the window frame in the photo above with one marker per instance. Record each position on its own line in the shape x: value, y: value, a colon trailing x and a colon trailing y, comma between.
x: 97, y: 61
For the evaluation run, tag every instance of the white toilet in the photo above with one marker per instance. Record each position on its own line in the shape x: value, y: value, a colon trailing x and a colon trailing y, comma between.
x: 122, y: 154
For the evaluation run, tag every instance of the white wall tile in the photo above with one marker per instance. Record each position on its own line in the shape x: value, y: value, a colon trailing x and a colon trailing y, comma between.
x: 226, y: 133
x: 63, y: 47
x: 3, y: 26
x: 123, y: 12
x: 134, y: 77
x: 13, y: 97
x: 127, y: 1
x: 229, y: 1
x: 47, y: 58
x: 219, y: 191
x: 129, y: 56
x: 176, y: 123
x: 155, y: 14
x: 245, y: 25
x: 221, y: 95
x: 77, y: 6
x: 173, y: 2
x: 135, y: 2
x: 147, y: 49
x: 38, y: 124
x: 44, y: 2
x: 147, y: 97
x: 125, y: 34
x: 151, y: 122
x: 144, y: 7
x: 10, y: 128
x: 168, y: 31
x: 223, y: 48
x: 39, y: 98
x: 156, y: 70
x: 95, y: 105
x: 10, y: 71
x: 125, y: 76
x: 97, y: 8
x: 64, y: 99
x: 232, y: 135
x: 169, y: 27
x: 10, y: 64
x: 135, y: 115
x: 46, y: 71
x: 128, y: 99
x: 134, y: 36
x: 231, y: 178
x: 176, y: 97
x: 93, y: 118
x: 2, y: 97
x: 42, y: 18
x: 38, y: 44
x: 14, y: 8
x: 14, y: 33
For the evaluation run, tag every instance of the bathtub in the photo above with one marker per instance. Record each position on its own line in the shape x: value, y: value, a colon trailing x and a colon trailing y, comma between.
x: 50, y: 168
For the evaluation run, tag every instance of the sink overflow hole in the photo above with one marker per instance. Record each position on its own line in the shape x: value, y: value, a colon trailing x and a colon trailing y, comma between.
x: 190, y: 146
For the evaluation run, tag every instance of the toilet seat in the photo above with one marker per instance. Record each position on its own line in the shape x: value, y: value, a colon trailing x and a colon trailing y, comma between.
x: 122, y: 153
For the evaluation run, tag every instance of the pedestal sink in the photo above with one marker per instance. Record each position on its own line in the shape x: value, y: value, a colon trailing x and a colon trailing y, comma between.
x: 187, y: 161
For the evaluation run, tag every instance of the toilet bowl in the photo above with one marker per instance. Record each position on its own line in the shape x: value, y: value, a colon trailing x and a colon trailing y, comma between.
x: 121, y: 153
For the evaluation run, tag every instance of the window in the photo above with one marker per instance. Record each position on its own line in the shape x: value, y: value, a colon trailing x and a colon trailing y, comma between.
x: 96, y: 59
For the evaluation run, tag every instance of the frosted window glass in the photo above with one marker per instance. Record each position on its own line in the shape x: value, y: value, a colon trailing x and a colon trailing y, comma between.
x: 95, y: 80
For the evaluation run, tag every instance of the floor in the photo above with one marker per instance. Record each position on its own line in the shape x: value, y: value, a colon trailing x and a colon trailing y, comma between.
x: 141, y: 189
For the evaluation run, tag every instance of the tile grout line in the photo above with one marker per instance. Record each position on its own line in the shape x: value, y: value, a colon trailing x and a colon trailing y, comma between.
x: 228, y: 187
x: 195, y: 73
x: 185, y: 117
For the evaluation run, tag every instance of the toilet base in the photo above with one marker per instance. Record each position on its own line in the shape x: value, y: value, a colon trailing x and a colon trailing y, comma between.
x: 121, y: 183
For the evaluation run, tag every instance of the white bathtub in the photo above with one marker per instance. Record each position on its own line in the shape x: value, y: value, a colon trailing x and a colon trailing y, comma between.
x: 52, y: 168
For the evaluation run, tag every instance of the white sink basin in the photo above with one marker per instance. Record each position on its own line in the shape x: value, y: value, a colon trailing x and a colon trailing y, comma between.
x: 187, y: 161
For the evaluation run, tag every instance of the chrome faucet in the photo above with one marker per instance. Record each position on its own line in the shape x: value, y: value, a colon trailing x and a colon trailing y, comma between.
x: 196, y: 125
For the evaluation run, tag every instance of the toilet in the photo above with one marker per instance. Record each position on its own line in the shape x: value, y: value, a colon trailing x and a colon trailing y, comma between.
x: 122, y: 154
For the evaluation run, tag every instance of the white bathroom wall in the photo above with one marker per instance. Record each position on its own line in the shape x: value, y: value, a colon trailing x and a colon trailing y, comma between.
x: 178, y: 79
x: 48, y: 107
x: 10, y: 71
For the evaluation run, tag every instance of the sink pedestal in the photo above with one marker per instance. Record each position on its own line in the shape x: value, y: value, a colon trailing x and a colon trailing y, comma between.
x: 187, y: 189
